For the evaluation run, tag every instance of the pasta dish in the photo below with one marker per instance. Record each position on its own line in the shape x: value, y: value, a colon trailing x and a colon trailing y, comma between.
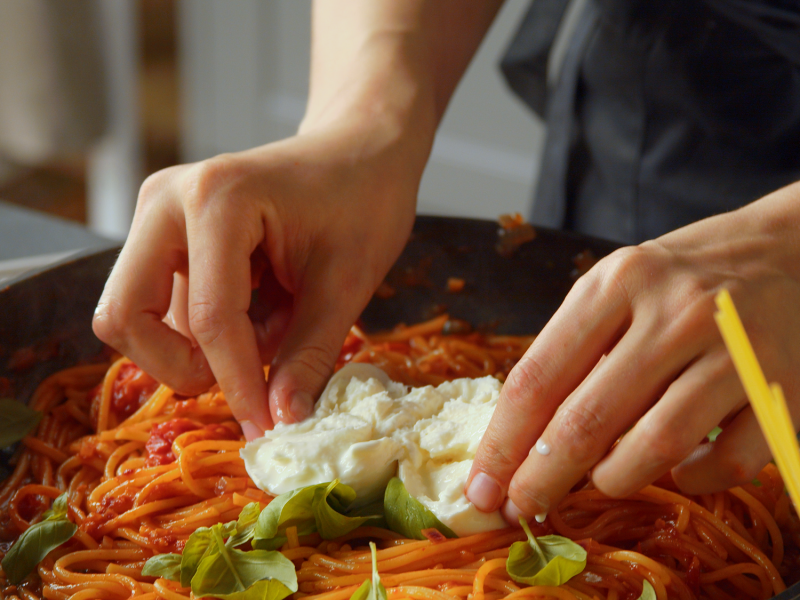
x: 133, y: 470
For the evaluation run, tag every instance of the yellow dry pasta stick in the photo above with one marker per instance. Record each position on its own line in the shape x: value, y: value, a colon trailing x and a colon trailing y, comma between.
x: 767, y: 401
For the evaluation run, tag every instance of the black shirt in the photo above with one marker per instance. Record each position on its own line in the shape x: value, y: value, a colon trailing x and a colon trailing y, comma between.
x: 665, y: 111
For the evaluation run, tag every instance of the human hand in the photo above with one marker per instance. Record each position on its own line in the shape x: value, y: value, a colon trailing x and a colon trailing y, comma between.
x: 314, y: 222
x: 635, y: 345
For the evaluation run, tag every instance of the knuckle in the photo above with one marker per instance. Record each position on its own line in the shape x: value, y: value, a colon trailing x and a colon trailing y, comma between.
x: 108, y: 324
x: 206, y: 322
x: 528, y: 500
x: 578, y: 430
x: 667, y: 448
x: 624, y: 270
x: 316, y: 358
x: 496, y: 457
x: 190, y: 382
x: 204, y: 180
x: 526, y: 382
x: 151, y: 186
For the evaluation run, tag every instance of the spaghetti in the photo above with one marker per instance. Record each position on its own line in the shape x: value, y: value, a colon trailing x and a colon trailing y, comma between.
x: 144, y: 468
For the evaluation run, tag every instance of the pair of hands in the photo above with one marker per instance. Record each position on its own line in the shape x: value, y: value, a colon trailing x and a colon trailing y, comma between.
x: 315, y: 222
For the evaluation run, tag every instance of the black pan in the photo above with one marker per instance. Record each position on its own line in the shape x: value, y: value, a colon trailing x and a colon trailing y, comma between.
x: 45, y: 318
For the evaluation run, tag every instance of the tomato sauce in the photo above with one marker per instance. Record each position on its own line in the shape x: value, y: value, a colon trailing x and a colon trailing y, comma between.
x: 132, y: 388
x: 159, y: 445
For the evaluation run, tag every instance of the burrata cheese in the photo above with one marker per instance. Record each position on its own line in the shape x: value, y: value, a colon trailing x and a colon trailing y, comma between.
x: 366, y: 429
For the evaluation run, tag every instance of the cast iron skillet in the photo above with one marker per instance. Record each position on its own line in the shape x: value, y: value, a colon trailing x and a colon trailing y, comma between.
x: 45, y: 318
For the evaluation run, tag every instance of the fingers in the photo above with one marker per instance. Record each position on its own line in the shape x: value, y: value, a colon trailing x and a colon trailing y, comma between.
x: 312, y: 342
x: 219, y: 298
x: 137, y: 297
x: 584, y: 328
x: 736, y: 457
x: 178, y: 315
x: 696, y: 402
x: 270, y: 308
x: 591, y: 419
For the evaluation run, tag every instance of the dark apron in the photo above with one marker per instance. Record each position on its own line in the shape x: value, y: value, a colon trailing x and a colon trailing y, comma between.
x: 665, y: 111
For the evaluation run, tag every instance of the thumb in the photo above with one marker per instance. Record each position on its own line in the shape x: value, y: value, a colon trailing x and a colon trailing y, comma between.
x: 313, y: 340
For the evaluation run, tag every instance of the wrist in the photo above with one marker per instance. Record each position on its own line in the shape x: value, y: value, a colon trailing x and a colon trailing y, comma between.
x: 383, y: 98
x: 776, y: 219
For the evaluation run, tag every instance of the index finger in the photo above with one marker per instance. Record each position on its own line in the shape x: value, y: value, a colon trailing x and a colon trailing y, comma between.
x: 586, y: 325
x: 219, y: 297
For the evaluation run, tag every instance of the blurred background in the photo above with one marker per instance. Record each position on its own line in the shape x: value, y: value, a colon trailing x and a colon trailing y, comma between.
x: 97, y: 94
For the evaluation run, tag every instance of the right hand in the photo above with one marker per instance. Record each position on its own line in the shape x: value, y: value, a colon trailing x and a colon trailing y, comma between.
x: 319, y: 218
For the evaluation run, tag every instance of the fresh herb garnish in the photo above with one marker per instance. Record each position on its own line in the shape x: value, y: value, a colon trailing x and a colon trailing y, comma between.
x: 17, y: 422
x: 321, y: 508
x: 648, y: 593
x: 548, y: 560
x: 38, y: 541
x: 167, y: 566
x: 232, y: 574
x: 329, y: 506
x: 371, y: 589
x: 213, y: 567
x: 408, y: 516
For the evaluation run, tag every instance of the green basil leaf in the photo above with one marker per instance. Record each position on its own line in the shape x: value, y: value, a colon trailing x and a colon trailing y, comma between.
x: 408, y: 516
x: 714, y: 433
x: 17, y: 422
x: 234, y: 574
x: 280, y: 539
x: 59, y: 509
x: 648, y: 593
x: 373, y: 510
x: 328, y: 506
x: 167, y: 566
x: 245, y: 525
x: 33, y: 545
x: 197, y: 547
x: 548, y: 560
x: 371, y: 590
x: 292, y: 508
x: 200, y: 545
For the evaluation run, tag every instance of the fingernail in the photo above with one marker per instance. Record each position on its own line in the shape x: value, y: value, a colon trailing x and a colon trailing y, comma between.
x: 484, y: 492
x: 301, y: 405
x: 251, y: 431
x: 540, y: 518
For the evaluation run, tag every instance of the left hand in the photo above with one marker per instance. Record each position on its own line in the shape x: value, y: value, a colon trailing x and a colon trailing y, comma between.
x: 635, y: 345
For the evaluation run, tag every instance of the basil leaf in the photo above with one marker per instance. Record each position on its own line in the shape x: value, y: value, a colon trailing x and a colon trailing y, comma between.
x: 33, y: 545
x: 200, y: 545
x: 233, y: 574
x: 648, y: 593
x: 713, y: 434
x: 408, y: 516
x: 371, y: 590
x: 245, y: 525
x: 280, y: 539
x: 548, y: 560
x: 59, y: 509
x: 167, y: 566
x: 373, y: 510
x: 17, y: 422
x: 291, y: 508
x: 328, y: 506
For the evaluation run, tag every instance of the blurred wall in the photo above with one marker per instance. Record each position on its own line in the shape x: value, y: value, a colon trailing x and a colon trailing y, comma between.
x: 244, y: 82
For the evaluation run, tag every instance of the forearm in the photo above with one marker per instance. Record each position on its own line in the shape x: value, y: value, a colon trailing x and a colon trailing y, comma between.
x: 396, y: 63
